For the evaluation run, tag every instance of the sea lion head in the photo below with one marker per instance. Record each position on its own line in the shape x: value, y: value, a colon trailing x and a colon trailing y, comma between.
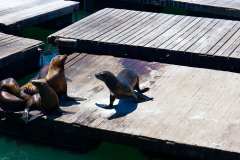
x: 58, y: 61
x: 10, y: 85
x: 39, y: 83
x: 105, y: 76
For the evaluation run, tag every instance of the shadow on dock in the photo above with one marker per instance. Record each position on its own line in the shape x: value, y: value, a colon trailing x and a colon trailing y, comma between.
x: 124, y: 107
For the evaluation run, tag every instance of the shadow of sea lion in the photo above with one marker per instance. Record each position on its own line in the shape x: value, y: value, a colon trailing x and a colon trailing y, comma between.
x: 125, y: 106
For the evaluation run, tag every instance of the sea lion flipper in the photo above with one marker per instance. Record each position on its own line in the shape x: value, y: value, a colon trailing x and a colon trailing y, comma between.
x: 136, y: 87
x: 144, y: 90
x: 68, y: 98
x: 36, y: 116
x: 25, y: 115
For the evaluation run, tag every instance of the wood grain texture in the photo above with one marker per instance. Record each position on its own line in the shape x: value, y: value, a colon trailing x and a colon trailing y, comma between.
x: 186, y: 40
x: 18, y: 56
x: 227, y: 8
x: 194, y: 112
x: 15, y: 15
x: 191, y: 106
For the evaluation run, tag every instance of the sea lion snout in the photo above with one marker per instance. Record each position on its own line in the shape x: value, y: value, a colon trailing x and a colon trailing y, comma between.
x: 59, y: 60
x: 98, y: 76
x: 63, y: 57
x: 104, y: 75
x: 39, y: 82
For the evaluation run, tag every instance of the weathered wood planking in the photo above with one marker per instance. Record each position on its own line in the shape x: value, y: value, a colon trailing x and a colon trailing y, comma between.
x: 226, y: 8
x: 18, y: 56
x: 229, y: 9
x: 195, y: 112
x: 194, y: 41
x: 15, y: 14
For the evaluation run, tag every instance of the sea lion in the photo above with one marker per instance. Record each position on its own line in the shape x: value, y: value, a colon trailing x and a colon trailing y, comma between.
x: 13, y: 99
x: 54, y: 74
x: 121, y: 86
x: 49, y: 98
x: 11, y: 86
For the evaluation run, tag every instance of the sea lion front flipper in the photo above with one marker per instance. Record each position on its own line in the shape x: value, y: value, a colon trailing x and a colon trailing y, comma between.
x: 112, y: 99
x: 36, y: 116
x: 25, y: 115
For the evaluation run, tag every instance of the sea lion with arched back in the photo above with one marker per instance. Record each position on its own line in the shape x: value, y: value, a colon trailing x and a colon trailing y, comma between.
x: 122, y: 85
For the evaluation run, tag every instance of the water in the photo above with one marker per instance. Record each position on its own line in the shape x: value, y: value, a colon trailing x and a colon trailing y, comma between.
x: 13, y: 149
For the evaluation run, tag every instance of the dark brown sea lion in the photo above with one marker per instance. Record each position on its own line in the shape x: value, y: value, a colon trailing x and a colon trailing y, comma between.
x: 49, y: 98
x: 13, y: 99
x: 121, y: 86
x: 11, y: 86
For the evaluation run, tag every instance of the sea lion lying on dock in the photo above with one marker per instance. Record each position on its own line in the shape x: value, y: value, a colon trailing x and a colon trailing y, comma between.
x: 13, y: 99
x: 122, y: 85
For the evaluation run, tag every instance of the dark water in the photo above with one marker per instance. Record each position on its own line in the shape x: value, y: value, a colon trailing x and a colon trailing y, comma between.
x: 13, y: 149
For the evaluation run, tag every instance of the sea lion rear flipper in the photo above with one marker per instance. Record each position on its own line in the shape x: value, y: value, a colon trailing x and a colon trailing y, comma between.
x: 136, y: 87
x: 68, y: 98
x: 36, y: 116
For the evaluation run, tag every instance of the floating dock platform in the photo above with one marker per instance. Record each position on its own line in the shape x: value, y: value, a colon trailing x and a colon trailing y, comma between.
x: 225, y: 8
x: 18, y: 56
x: 178, y: 39
x: 229, y: 9
x: 194, y: 112
x: 15, y: 14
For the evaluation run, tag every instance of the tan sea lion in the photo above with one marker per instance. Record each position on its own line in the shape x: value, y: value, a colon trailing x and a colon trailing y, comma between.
x: 49, y: 98
x: 54, y: 75
x: 122, y: 85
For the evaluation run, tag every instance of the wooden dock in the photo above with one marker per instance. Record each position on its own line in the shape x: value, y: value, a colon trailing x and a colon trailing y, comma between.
x: 18, y: 56
x: 226, y: 8
x: 15, y: 14
x: 178, y: 39
x: 194, y: 113
x: 229, y: 9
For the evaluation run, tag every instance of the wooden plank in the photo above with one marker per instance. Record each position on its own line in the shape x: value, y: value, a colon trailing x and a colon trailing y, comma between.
x: 107, y: 26
x: 14, y: 15
x: 193, y: 110
x: 170, y: 38
x: 19, y: 56
x: 84, y: 21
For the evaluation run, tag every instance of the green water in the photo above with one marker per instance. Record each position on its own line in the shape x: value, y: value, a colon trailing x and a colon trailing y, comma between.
x: 14, y: 149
